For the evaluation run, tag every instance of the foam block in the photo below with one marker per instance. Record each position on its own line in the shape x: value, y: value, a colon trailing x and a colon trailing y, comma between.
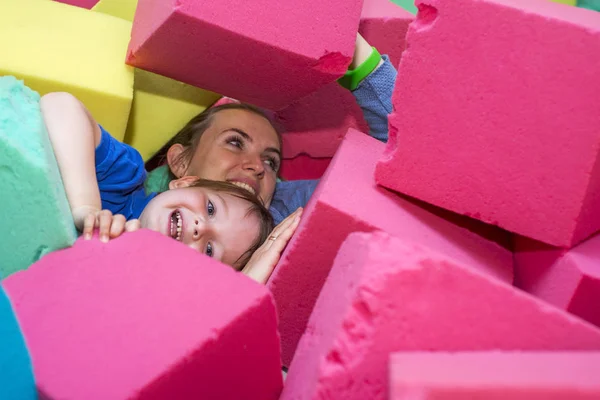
x: 34, y: 209
x: 386, y: 295
x: 286, y: 54
x: 316, y: 124
x: 124, y: 9
x: 303, y: 167
x: 495, y: 375
x: 56, y: 47
x: 161, y: 106
x: 504, y: 127
x: 567, y: 279
x: 16, y: 376
x: 87, y: 4
x: 135, y: 312
x: 348, y: 199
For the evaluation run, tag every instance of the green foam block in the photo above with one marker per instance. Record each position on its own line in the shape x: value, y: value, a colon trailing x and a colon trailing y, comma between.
x: 35, y: 214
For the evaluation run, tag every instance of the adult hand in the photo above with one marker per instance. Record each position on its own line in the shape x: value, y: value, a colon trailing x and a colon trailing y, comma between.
x: 109, y: 226
x: 263, y: 261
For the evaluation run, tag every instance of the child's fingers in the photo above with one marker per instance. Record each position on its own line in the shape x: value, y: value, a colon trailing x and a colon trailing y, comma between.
x: 88, y: 225
x: 104, y: 220
x: 132, y: 225
x: 117, y: 226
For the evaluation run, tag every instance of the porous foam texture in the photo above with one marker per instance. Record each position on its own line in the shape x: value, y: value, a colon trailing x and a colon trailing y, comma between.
x: 495, y: 375
x: 56, y: 47
x: 124, y: 9
x: 348, y: 200
x: 386, y: 295
x: 316, y: 124
x: 34, y: 210
x: 284, y: 53
x: 161, y: 107
x: 568, y: 279
x: 145, y: 317
x: 504, y: 127
x: 16, y: 374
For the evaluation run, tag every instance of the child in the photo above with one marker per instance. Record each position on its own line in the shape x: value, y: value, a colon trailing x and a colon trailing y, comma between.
x: 104, y: 179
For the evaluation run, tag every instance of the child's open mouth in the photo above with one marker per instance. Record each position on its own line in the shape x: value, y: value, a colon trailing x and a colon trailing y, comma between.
x: 175, y: 225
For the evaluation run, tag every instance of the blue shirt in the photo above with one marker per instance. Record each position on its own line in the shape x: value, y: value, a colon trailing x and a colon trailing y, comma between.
x: 120, y: 174
x: 374, y: 96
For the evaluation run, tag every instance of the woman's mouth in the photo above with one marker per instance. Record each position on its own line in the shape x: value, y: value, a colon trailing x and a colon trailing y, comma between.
x: 244, y: 186
x: 175, y: 224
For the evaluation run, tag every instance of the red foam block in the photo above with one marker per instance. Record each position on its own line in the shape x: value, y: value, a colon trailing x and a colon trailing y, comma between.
x: 269, y: 53
x: 303, y: 167
x: 144, y: 317
x: 495, y: 375
x: 497, y: 115
x: 386, y: 295
x: 569, y: 279
x: 316, y: 124
x: 348, y: 200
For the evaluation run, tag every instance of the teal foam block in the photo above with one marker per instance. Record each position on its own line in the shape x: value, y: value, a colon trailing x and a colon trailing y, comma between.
x: 589, y: 4
x: 34, y: 211
x: 16, y: 373
x: 408, y: 5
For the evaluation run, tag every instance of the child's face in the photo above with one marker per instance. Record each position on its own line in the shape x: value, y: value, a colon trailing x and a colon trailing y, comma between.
x: 214, y: 223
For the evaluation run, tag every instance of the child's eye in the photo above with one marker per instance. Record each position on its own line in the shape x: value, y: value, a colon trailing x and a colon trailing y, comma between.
x: 210, y: 208
x: 209, y: 249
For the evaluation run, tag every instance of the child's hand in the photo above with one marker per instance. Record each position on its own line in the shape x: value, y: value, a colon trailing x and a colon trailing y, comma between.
x: 264, y: 259
x: 109, y: 225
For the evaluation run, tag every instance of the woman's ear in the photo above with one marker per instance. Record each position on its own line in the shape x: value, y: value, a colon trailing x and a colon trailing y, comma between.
x: 183, y: 182
x: 177, y: 163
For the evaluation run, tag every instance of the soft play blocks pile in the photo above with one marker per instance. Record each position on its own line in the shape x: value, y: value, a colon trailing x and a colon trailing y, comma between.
x: 57, y: 47
x: 285, y: 54
x: 348, y: 200
x: 495, y: 375
x: 124, y: 9
x: 136, y: 318
x: 510, y: 134
x: 16, y: 374
x: 35, y: 214
x: 568, y: 279
x: 385, y: 295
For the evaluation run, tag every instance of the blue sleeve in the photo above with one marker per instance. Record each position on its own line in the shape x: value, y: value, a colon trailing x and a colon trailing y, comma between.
x: 374, y: 96
x: 120, y: 174
x: 289, y: 195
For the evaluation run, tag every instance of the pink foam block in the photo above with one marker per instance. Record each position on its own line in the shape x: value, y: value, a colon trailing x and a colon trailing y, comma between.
x: 568, y: 279
x: 303, y: 167
x: 495, y: 375
x: 80, y: 3
x: 497, y: 115
x: 269, y: 53
x: 144, y: 317
x: 348, y: 200
x: 385, y: 294
x: 316, y: 124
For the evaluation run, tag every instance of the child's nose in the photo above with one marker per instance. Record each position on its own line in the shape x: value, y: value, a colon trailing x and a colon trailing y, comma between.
x: 197, y: 228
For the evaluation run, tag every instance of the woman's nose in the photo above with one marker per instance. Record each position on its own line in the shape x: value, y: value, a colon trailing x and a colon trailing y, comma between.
x: 254, y: 164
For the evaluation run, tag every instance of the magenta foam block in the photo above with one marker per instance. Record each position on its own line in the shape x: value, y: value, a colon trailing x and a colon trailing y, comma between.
x: 348, y: 200
x: 316, y: 124
x: 143, y: 317
x: 497, y: 116
x: 303, y: 167
x: 494, y: 375
x: 568, y: 279
x: 269, y: 53
x: 385, y: 295
x: 80, y: 3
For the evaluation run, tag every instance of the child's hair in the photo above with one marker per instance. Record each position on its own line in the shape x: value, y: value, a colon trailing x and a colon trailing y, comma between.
x: 256, y: 208
x: 189, y: 136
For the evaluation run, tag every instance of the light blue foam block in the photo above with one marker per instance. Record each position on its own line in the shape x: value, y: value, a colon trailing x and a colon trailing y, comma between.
x: 35, y: 217
x: 16, y: 373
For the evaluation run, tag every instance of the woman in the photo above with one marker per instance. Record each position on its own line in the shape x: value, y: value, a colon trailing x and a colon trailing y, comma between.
x: 237, y: 143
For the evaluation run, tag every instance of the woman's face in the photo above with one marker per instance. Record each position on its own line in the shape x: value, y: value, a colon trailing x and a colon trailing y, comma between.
x: 240, y: 147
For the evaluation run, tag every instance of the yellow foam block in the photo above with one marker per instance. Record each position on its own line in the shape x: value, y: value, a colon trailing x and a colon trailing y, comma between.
x: 161, y: 107
x: 57, y: 47
x: 124, y: 9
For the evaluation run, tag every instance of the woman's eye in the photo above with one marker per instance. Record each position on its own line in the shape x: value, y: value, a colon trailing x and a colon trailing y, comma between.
x: 209, y: 249
x: 272, y: 163
x: 236, y: 141
x: 210, y: 208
